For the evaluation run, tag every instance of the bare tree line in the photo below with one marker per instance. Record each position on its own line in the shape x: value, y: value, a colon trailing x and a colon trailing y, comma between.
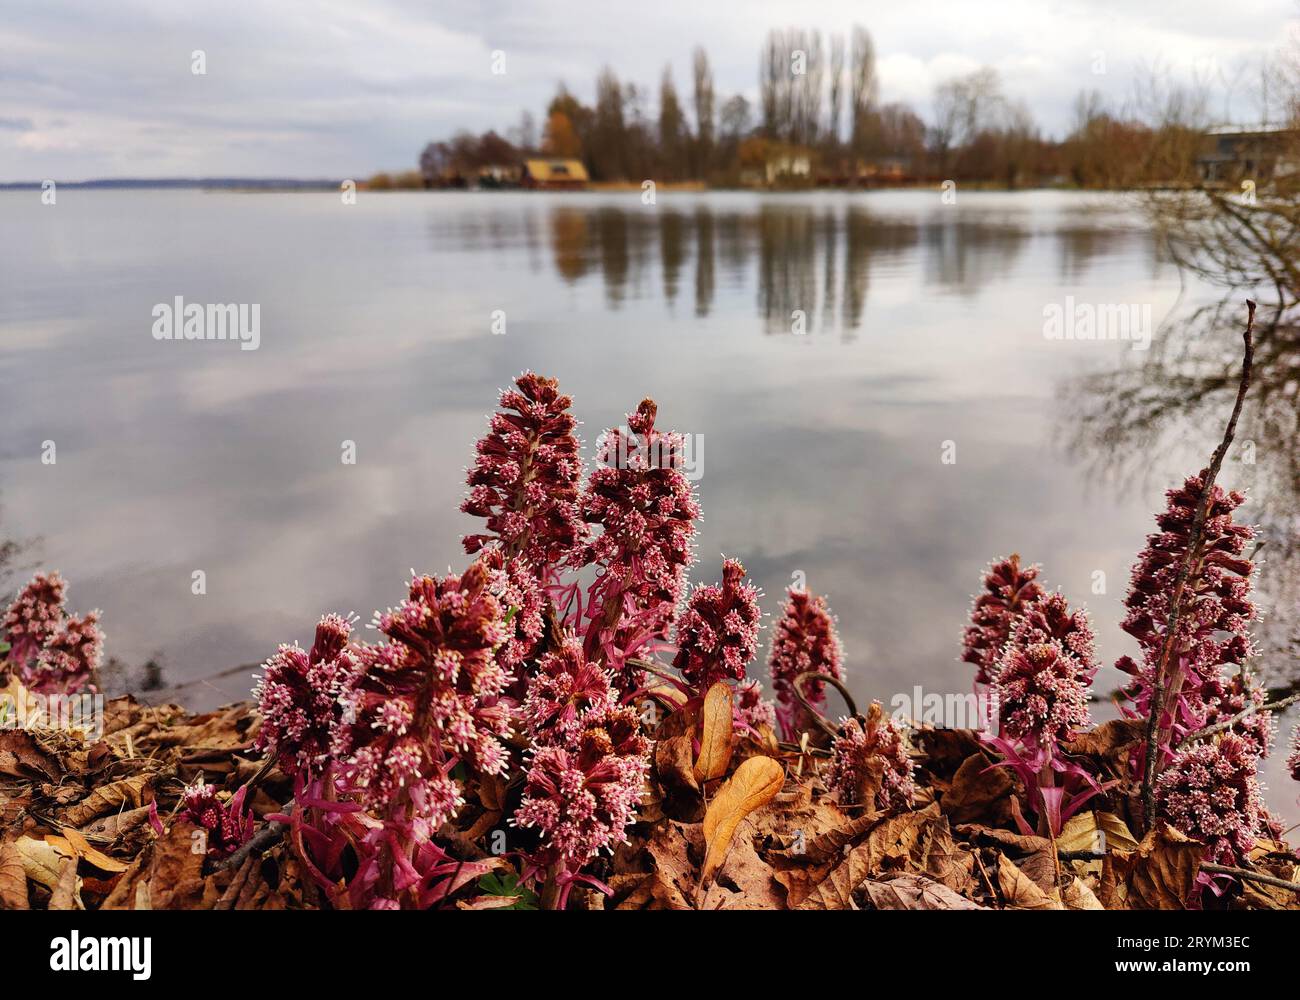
x: 818, y: 102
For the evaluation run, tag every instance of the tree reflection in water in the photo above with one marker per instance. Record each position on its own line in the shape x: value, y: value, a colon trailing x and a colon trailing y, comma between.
x: 1125, y: 422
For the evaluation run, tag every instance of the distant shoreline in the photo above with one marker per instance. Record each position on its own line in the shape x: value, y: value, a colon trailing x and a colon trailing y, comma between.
x: 280, y: 185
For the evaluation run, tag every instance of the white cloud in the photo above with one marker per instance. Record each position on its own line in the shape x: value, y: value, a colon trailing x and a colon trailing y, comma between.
x: 342, y: 88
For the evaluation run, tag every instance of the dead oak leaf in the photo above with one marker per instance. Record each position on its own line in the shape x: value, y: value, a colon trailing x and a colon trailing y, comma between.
x: 1020, y: 891
x: 915, y: 892
x: 13, y: 878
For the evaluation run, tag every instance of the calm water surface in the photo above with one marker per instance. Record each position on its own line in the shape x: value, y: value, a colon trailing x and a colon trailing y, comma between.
x: 822, y: 452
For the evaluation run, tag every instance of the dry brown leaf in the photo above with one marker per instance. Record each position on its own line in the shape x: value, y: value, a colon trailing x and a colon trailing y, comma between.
x: 131, y: 792
x: 943, y: 860
x: 673, y: 763
x: 755, y: 783
x: 716, y: 742
x: 1159, y: 875
x: 1077, y: 896
x: 979, y: 794
x: 915, y: 892
x: 1020, y: 891
x: 41, y: 861
x: 13, y: 878
x: 81, y: 846
x: 831, y: 845
x: 66, y: 895
x: 835, y: 891
x: 21, y: 757
x: 1096, y: 831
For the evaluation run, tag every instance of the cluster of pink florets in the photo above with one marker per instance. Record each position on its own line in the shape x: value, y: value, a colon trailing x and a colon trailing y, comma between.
x: 752, y: 707
x: 1216, y: 607
x: 717, y: 632
x: 514, y: 584
x: 51, y: 651
x: 646, y: 507
x: 565, y: 691
x: 228, y: 824
x: 525, y: 477
x: 1042, y: 695
x: 1226, y: 700
x: 1210, y: 792
x: 861, y: 752
x: 1009, y: 589
x: 427, y: 699
x: 804, y: 640
x: 300, y: 697
x: 581, y: 795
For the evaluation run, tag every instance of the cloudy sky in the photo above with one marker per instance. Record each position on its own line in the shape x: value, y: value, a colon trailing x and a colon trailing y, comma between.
x: 340, y: 88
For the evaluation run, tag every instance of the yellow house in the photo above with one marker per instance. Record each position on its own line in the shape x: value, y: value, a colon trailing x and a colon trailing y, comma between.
x: 554, y: 174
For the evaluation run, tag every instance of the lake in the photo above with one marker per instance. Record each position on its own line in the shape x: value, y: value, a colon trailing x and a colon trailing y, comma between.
x: 878, y: 406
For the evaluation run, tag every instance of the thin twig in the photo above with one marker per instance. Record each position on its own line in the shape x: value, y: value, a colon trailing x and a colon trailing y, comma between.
x: 1185, y: 568
x: 1253, y: 876
x: 258, y: 843
x: 816, y: 715
x: 1206, y: 866
x: 1218, y: 727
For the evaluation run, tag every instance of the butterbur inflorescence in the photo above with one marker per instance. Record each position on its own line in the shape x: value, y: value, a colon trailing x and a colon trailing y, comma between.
x: 646, y: 508
x: 565, y: 691
x: 754, y: 709
x: 1042, y: 696
x: 525, y: 477
x: 34, y: 616
x: 428, y: 698
x: 51, y: 651
x: 582, y: 795
x: 1212, y: 622
x: 1227, y: 699
x: 1049, y: 619
x: 804, y: 640
x: 228, y: 824
x: 1210, y: 791
x: 521, y: 596
x: 299, y: 695
x: 1009, y: 589
x: 717, y: 632
x: 871, y: 757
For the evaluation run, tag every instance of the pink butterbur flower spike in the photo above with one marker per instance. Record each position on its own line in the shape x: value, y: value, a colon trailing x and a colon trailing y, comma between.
x: 1009, y: 589
x: 870, y: 761
x: 1041, y: 683
x: 805, y: 640
x: 525, y: 478
x: 647, y: 509
x: 581, y: 795
x: 1213, y: 619
x: 717, y: 631
x: 51, y: 651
